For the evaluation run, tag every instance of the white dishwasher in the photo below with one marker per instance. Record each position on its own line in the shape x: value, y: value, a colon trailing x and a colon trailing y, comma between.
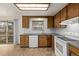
x: 33, y: 40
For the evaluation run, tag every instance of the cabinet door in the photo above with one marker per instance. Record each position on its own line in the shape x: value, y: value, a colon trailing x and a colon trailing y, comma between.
x: 64, y: 14
x: 57, y: 20
x: 25, y: 21
x: 72, y: 54
x: 73, y: 10
x: 73, y: 51
x: 42, y: 41
x: 24, y: 41
x: 50, y: 22
x: 49, y: 41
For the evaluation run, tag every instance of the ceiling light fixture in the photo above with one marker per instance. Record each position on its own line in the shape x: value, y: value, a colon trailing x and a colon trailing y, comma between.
x: 39, y: 6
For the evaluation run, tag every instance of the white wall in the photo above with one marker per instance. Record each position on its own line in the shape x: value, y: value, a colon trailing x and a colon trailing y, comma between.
x: 8, y: 12
x: 8, y: 9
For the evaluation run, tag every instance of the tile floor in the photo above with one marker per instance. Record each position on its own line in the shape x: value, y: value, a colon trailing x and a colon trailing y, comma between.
x: 15, y: 50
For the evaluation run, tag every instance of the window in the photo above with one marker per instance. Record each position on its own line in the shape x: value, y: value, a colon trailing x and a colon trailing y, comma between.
x: 37, y: 25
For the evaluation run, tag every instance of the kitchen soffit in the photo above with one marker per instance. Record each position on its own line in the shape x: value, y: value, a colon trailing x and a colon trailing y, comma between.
x: 33, y: 6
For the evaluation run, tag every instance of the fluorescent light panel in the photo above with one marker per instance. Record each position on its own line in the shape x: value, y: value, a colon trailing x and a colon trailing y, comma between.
x: 32, y: 6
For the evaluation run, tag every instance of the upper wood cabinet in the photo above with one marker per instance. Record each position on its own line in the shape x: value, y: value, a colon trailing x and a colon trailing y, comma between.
x: 64, y: 14
x: 57, y: 20
x: 73, y: 10
x: 50, y: 22
x: 24, y: 40
x: 25, y: 22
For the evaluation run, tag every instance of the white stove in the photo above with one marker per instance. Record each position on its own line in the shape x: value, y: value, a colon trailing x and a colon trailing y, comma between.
x: 60, y: 47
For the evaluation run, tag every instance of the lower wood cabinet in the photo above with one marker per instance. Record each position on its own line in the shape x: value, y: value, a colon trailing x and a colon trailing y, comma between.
x: 73, y: 51
x: 49, y: 41
x: 45, y: 41
x: 42, y: 41
x: 24, y: 41
x: 72, y: 54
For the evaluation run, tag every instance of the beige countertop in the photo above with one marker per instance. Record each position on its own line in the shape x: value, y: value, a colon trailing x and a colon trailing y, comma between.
x: 71, y: 41
x: 37, y: 34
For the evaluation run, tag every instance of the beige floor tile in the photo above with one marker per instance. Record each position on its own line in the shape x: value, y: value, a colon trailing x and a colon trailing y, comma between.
x: 15, y: 50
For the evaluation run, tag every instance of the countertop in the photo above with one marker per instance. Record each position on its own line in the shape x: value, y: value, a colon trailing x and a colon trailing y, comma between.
x: 66, y: 38
x: 37, y: 34
x: 71, y: 40
x: 74, y: 43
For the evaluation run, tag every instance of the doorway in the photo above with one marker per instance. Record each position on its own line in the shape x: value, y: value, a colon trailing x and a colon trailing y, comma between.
x: 6, y: 32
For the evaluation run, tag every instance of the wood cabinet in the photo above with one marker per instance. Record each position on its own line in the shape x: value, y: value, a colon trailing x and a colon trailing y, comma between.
x: 72, y: 54
x: 57, y: 20
x: 25, y: 22
x: 73, y: 51
x: 49, y: 41
x: 70, y: 11
x: 24, y: 41
x: 50, y: 22
x: 73, y: 10
x: 45, y: 41
x: 64, y: 14
x: 42, y: 41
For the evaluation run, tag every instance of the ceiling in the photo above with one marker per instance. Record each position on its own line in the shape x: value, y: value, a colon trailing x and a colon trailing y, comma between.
x: 9, y: 9
x: 52, y: 10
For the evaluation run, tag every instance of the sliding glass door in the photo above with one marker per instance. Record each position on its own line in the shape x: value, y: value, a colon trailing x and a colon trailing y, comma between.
x: 2, y: 32
x: 6, y: 32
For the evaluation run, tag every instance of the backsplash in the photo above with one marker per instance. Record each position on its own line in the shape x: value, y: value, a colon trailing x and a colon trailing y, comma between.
x: 23, y: 30
x: 71, y: 33
x: 71, y: 30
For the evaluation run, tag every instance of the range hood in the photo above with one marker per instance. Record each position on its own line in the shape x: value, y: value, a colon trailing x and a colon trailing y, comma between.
x: 70, y: 21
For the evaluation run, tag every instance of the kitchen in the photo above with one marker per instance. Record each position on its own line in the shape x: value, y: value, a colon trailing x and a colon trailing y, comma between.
x: 55, y: 27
